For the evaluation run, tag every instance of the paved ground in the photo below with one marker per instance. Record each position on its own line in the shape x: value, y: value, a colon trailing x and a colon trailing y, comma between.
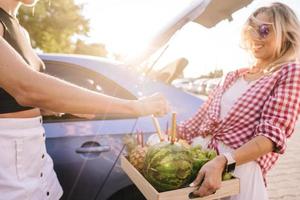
x: 284, y: 178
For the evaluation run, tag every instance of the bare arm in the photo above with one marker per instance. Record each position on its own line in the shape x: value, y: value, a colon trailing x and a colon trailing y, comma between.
x: 253, y: 149
x: 32, y: 88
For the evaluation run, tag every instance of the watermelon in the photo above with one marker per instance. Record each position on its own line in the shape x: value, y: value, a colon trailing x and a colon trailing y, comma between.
x: 168, y: 166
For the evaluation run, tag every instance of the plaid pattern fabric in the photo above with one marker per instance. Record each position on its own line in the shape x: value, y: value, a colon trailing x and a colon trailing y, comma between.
x: 270, y: 107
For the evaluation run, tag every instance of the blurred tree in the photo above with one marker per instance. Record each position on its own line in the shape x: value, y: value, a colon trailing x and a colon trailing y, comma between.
x: 53, y: 24
x: 90, y: 49
x: 217, y: 73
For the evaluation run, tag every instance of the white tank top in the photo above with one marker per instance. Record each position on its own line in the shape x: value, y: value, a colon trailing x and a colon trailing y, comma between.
x: 232, y: 94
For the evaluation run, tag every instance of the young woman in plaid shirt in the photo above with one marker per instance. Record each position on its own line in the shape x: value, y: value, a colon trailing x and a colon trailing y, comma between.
x: 250, y: 115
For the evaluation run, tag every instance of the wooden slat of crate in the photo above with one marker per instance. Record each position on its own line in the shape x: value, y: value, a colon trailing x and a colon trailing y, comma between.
x: 144, y: 186
x: 228, y: 188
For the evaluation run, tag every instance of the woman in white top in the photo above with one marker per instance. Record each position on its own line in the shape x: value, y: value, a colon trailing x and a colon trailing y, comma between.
x: 251, y: 114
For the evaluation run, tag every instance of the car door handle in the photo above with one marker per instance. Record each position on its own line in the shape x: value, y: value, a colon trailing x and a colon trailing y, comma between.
x: 99, y: 149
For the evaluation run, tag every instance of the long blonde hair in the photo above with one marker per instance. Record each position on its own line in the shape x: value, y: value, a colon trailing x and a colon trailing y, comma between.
x: 287, y: 32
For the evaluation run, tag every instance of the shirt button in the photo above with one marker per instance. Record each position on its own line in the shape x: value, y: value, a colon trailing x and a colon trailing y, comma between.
x: 43, y: 156
x: 43, y: 134
x: 48, y: 193
x: 41, y: 174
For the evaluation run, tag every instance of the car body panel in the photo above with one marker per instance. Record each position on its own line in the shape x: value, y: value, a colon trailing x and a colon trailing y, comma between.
x: 82, y: 175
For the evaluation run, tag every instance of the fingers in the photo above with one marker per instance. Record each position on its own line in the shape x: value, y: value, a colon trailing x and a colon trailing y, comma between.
x: 161, y: 104
x: 199, y: 179
x: 155, y: 104
x: 162, y: 109
x: 207, y: 185
x: 204, y: 191
x: 165, y: 106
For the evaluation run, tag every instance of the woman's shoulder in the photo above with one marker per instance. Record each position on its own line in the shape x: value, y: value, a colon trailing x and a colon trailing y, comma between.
x: 290, y: 66
x: 287, y: 71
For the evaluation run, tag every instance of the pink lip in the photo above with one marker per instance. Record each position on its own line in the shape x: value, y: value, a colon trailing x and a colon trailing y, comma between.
x: 257, y: 47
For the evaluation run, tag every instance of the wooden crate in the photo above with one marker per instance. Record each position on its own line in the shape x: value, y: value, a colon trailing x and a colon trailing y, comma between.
x: 228, y: 188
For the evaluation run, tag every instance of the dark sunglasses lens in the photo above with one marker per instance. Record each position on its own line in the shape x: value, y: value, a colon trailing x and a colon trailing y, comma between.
x: 264, y: 30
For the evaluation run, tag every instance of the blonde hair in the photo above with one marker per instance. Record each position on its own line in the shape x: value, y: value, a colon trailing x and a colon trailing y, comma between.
x: 287, y: 32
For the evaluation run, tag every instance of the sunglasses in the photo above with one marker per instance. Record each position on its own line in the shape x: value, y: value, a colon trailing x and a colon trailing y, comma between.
x: 262, y: 30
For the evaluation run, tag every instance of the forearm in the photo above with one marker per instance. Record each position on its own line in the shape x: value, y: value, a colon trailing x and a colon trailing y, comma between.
x: 253, y: 149
x: 32, y: 88
x: 57, y: 95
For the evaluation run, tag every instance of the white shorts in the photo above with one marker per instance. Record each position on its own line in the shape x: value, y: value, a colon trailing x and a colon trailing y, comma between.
x: 26, y: 170
x: 252, y: 185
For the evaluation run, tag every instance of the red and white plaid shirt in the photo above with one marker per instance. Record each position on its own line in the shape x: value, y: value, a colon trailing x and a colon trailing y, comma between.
x: 270, y: 107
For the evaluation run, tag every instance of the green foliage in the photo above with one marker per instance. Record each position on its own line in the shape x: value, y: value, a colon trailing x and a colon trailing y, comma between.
x: 90, y: 49
x: 53, y: 24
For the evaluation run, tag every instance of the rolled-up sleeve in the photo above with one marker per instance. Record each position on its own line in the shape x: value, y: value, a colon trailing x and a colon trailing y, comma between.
x: 281, y: 109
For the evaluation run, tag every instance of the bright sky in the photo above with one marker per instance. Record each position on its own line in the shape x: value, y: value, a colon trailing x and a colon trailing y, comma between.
x: 135, y: 20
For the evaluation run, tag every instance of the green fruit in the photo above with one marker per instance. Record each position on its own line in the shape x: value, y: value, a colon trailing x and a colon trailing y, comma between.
x: 227, y: 176
x: 196, y: 147
x: 168, y: 166
x: 199, y: 159
x: 172, y: 166
x: 211, y: 154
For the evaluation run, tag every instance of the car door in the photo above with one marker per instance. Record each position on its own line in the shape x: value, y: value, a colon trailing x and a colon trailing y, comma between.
x: 85, y: 151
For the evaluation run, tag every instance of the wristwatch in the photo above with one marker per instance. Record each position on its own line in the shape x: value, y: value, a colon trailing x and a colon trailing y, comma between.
x: 230, y: 164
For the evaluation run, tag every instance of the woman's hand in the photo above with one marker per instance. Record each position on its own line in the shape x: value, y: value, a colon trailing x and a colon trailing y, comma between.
x: 155, y: 104
x: 210, y: 176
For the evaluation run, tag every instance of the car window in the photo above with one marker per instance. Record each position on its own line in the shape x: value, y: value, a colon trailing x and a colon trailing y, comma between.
x: 88, y: 79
